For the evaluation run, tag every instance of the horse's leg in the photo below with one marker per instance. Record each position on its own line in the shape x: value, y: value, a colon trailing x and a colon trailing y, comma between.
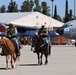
x: 38, y: 58
x: 49, y: 50
x: 31, y: 48
x: 41, y: 59
x: 6, y: 62
x: 15, y: 59
x: 12, y: 66
x: 46, y: 58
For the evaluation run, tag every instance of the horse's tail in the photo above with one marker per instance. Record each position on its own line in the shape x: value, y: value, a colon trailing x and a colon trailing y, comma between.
x: 49, y: 50
x: 18, y: 57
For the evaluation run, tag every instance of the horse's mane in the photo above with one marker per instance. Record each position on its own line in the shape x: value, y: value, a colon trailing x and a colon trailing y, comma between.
x: 39, y: 42
x: 7, y: 42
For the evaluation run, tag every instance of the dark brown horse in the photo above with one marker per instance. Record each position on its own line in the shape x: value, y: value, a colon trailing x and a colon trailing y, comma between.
x: 41, y: 48
x: 9, y: 49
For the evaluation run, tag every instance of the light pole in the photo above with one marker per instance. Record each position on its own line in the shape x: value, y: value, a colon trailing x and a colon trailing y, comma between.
x: 52, y: 7
x: 74, y: 9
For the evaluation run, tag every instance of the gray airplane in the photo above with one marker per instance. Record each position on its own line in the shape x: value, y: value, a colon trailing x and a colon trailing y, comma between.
x: 68, y: 30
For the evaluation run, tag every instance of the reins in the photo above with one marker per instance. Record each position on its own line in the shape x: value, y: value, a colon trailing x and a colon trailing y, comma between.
x: 39, y: 44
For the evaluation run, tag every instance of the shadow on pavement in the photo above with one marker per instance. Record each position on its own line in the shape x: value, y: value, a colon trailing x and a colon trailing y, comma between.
x: 4, y: 68
x: 27, y: 64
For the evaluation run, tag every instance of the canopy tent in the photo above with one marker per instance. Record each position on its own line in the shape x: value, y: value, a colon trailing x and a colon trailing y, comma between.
x: 27, y: 33
x: 52, y: 34
x: 32, y: 33
x: 29, y: 19
x: 37, y: 19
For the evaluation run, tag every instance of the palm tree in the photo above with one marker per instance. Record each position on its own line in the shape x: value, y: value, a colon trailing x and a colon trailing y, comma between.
x: 52, y: 7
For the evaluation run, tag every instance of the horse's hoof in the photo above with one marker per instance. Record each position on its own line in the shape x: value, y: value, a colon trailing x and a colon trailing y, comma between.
x: 46, y: 63
x: 6, y: 68
x: 12, y: 66
x: 40, y: 63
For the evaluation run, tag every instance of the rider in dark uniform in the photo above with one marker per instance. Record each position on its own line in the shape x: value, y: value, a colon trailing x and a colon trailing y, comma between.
x: 42, y: 31
x: 43, y: 34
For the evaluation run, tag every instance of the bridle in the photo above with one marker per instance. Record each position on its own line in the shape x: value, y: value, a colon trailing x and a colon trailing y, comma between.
x: 37, y: 45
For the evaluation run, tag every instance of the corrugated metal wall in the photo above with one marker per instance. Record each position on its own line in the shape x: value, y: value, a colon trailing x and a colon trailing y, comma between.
x: 59, y: 40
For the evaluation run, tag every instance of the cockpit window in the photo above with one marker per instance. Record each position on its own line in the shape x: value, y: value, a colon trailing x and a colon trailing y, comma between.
x: 67, y: 25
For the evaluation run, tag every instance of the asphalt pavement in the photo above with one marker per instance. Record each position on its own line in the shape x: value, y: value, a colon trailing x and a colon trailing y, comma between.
x: 62, y: 61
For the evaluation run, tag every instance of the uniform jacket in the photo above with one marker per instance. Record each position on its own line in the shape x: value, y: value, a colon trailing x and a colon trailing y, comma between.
x: 42, y: 31
x: 11, y: 32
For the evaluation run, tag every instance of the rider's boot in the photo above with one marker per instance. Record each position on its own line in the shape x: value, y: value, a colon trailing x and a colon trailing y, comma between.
x: 20, y: 45
x: 18, y: 52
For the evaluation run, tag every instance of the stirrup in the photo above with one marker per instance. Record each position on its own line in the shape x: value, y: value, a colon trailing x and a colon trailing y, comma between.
x: 18, y: 54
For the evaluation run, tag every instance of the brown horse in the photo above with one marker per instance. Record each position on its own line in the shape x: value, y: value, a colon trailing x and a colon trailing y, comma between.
x: 9, y: 49
x: 41, y: 47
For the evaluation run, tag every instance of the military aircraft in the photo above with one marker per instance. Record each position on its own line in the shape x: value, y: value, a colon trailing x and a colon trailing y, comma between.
x: 68, y: 30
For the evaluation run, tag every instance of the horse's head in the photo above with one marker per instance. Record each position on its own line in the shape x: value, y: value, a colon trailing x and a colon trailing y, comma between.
x: 34, y: 41
x: 37, y: 41
x: 1, y: 42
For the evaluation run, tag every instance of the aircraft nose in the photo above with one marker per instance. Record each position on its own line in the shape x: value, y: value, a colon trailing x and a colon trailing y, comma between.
x: 60, y: 31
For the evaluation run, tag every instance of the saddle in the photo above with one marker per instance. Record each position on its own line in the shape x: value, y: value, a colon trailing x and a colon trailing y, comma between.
x: 13, y: 43
x: 20, y: 45
x: 43, y: 36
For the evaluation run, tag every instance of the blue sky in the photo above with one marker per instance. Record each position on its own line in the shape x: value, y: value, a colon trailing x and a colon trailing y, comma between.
x: 59, y: 3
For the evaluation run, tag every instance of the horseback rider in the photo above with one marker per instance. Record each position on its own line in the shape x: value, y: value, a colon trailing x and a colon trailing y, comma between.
x: 43, y: 34
x: 11, y: 33
x: 42, y: 31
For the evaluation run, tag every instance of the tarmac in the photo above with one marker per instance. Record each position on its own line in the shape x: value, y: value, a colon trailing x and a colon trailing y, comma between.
x: 62, y: 61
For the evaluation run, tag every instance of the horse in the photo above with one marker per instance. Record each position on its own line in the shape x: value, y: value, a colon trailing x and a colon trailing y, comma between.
x: 9, y: 49
x: 41, y: 48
